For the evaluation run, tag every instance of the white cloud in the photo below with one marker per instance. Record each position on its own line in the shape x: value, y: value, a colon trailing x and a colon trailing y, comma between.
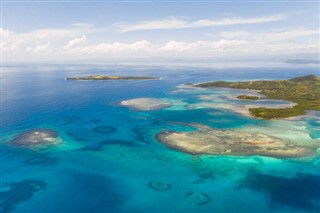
x: 173, y: 23
x: 49, y: 34
x: 271, y: 36
x: 40, y: 39
x: 42, y: 47
x: 5, y: 33
x: 221, y: 47
x: 116, y: 47
x: 83, y: 25
x: 59, y: 44
x: 288, y: 34
x: 202, y: 46
x: 75, y: 42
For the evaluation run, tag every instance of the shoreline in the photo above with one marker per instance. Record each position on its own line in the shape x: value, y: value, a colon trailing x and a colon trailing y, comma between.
x: 300, y: 90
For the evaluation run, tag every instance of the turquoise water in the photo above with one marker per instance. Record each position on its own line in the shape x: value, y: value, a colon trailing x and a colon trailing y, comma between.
x: 114, y: 172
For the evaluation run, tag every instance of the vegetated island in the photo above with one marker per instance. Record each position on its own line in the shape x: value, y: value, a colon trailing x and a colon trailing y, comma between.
x: 110, y: 77
x: 305, y: 91
x: 248, y: 97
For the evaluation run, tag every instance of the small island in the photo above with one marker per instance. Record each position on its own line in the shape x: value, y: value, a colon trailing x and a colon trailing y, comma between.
x: 248, y: 97
x: 36, y: 139
x: 110, y: 77
x: 304, y: 91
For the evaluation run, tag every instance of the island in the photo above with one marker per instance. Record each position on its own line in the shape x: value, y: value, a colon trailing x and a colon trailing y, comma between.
x: 248, y: 97
x: 110, y: 77
x: 36, y: 138
x: 304, y: 91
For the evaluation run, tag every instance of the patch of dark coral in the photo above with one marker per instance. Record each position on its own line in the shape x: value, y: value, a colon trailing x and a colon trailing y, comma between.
x: 19, y: 192
x: 159, y: 185
x: 198, y: 198
x: 301, y: 192
x: 203, y: 177
x: 103, y: 129
x: 140, y: 135
x: 75, y: 136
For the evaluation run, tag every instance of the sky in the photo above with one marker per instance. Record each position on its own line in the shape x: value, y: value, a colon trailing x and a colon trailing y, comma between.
x: 79, y: 30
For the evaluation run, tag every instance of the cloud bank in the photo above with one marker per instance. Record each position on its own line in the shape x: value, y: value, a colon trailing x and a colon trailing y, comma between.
x: 173, y: 23
x: 80, y: 41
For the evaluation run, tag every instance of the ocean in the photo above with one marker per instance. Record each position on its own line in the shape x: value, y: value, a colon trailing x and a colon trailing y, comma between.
x: 127, y: 169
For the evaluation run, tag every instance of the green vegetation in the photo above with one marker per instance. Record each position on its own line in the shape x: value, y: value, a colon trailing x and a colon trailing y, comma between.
x: 248, y: 97
x: 112, y: 77
x: 305, y: 91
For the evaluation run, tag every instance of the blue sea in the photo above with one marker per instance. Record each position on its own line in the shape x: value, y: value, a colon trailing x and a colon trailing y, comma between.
x: 92, y: 172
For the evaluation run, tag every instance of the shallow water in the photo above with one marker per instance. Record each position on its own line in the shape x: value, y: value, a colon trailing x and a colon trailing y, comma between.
x: 110, y: 170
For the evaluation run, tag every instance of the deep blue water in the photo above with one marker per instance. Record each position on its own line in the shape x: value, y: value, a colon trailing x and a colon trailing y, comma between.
x: 96, y: 172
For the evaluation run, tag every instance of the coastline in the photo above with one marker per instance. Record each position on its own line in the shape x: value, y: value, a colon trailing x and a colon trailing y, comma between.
x: 304, y: 91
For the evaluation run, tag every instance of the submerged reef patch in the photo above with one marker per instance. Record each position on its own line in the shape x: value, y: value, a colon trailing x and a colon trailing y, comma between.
x: 76, y: 136
x: 104, y: 129
x: 203, y: 176
x: 234, y: 142
x: 102, y: 144
x: 159, y: 185
x: 36, y: 138
x: 313, y: 125
x: 19, y: 192
x: 140, y: 133
x: 301, y: 192
x: 198, y: 198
